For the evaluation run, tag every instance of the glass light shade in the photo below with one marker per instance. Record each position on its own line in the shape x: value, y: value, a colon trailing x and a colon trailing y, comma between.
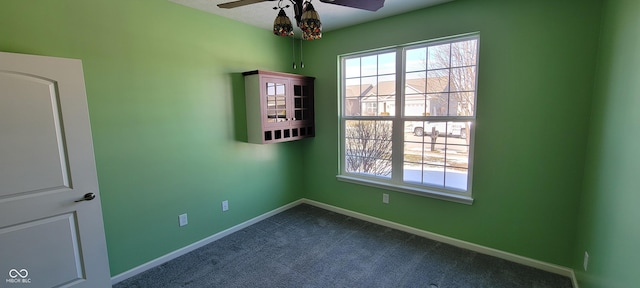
x: 282, y: 25
x: 310, y: 23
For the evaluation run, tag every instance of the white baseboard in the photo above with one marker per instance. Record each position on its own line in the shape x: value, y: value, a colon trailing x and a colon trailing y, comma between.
x: 564, y: 271
x: 556, y: 269
x: 177, y: 253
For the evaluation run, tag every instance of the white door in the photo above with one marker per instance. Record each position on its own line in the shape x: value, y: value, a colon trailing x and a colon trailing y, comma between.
x: 47, y: 239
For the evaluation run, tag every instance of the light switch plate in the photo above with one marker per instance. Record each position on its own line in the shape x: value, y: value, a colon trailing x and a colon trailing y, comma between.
x: 225, y: 205
x: 183, y: 219
x: 585, y: 261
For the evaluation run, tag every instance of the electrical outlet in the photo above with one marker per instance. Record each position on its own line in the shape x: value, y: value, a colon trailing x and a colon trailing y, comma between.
x: 385, y: 198
x: 225, y: 205
x: 585, y: 262
x: 182, y: 219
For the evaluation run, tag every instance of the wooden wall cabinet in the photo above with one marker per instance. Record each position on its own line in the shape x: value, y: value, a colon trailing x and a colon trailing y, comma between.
x: 279, y: 106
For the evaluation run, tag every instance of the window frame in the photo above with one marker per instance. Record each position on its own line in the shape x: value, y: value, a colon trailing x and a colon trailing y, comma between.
x: 395, y: 181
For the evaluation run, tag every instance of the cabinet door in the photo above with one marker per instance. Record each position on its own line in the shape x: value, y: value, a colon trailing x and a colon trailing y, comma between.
x: 276, y: 104
x: 302, y: 101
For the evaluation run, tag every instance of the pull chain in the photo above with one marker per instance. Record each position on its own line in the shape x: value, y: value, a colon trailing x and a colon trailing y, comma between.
x: 293, y: 41
x: 301, y: 63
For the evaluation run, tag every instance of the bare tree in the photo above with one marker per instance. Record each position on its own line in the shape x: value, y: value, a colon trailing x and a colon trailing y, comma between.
x: 368, y: 147
x: 463, y: 75
x: 456, y: 67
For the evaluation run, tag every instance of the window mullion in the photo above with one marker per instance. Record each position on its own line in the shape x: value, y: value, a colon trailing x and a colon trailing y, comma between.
x: 398, y: 125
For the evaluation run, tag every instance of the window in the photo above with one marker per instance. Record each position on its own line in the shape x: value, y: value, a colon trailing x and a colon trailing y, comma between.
x: 408, y: 115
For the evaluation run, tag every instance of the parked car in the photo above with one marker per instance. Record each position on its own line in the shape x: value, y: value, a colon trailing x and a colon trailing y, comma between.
x: 456, y: 129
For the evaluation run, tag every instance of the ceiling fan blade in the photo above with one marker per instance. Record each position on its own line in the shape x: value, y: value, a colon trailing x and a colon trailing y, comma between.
x: 239, y: 3
x: 371, y: 5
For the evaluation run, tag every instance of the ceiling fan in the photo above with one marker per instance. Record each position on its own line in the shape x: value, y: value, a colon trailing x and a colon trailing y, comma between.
x: 306, y: 16
x: 370, y: 5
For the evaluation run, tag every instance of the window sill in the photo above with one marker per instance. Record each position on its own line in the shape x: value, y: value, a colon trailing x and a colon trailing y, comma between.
x: 406, y: 189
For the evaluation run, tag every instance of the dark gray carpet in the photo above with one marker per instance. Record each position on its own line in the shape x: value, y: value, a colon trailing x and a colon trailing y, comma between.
x: 306, y: 246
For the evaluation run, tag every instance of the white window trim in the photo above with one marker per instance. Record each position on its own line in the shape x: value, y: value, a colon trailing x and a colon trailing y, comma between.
x: 396, y: 182
x: 432, y: 193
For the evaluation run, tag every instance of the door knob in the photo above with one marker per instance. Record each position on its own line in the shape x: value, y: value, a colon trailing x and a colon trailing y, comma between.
x: 87, y: 197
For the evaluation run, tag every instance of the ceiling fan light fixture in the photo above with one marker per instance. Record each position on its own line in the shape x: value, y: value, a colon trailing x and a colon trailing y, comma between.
x: 310, y: 23
x: 282, y: 25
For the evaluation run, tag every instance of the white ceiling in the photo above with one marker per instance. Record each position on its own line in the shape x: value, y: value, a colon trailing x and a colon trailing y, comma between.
x: 332, y: 16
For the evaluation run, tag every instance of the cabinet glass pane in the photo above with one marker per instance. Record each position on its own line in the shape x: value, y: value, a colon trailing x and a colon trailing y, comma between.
x: 276, y: 102
x: 299, y: 90
x: 275, y: 89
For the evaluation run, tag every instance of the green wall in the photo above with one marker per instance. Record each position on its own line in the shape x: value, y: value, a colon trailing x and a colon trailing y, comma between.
x: 535, y: 84
x: 609, y: 213
x: 167, y: 113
